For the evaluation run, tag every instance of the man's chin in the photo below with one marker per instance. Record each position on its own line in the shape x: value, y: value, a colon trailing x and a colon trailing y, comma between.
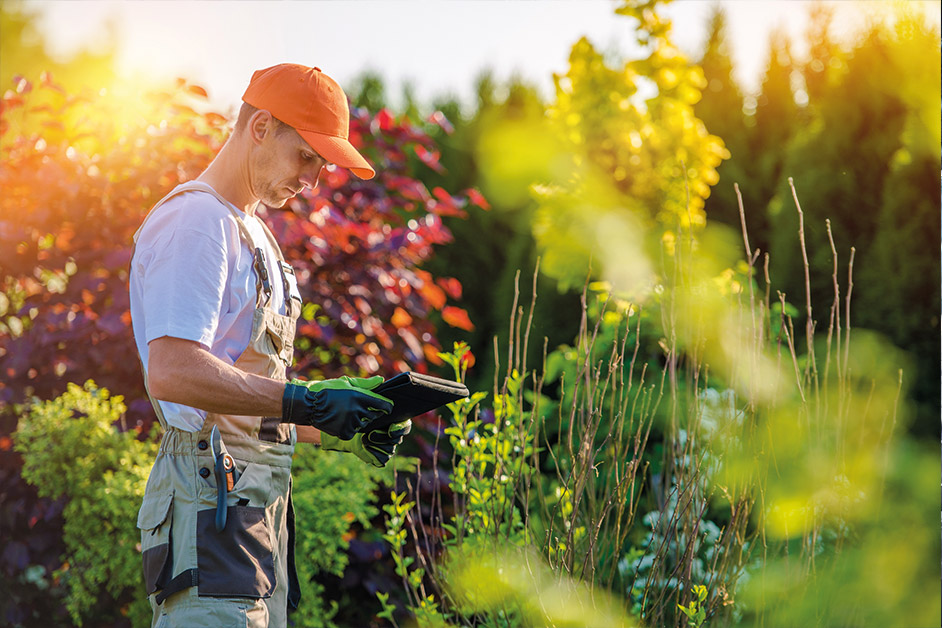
x: 276, y: 203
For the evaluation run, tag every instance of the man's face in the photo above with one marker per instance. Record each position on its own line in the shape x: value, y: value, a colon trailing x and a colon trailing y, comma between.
x: 286, y: 164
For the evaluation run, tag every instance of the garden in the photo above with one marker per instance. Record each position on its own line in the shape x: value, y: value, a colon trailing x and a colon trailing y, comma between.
x: 700, y: 328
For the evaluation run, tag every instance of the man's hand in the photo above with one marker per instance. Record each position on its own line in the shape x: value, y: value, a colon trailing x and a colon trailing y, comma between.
x: 340, y: 407
x: 373, y: 447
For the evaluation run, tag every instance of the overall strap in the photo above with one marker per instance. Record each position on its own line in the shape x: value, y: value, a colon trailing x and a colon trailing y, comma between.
x: 292, y: 305
x: 262, y: 282
x: 199, y: 186
x: 263, y: 287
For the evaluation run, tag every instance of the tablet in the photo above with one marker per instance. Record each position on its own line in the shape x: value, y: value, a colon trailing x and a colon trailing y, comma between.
x: 413, y: 394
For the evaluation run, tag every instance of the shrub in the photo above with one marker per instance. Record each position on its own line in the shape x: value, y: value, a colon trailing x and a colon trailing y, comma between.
x: 72, y: 450
x: 334, y: 496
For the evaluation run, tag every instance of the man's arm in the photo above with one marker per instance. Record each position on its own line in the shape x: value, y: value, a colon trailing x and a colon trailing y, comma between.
x: 182, y: 371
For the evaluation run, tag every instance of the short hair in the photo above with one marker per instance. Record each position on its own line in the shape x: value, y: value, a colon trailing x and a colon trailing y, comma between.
x: 247, y: 111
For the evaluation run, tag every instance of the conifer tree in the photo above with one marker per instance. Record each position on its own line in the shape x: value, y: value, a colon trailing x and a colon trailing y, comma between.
x: 775, y: 119
x: 720, y: 108
x: 866, y: 159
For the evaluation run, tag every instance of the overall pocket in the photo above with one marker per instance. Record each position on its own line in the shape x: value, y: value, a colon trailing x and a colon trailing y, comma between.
x: 238, y: 561
x: 154, y: 520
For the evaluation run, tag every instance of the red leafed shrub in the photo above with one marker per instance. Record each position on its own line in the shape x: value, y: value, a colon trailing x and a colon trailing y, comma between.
x: 81, y: 171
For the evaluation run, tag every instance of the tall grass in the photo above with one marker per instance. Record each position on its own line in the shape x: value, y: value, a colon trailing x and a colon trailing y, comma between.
x: 683, y: 462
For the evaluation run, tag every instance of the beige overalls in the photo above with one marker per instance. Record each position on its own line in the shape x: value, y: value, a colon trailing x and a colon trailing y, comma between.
x: 243, y: 575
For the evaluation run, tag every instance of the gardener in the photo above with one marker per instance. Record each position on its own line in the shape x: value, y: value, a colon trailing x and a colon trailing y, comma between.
x: 214, y: 305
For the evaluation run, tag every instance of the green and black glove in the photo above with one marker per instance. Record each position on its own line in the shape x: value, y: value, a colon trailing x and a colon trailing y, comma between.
x: 339, y: 407
x: 373, y: 447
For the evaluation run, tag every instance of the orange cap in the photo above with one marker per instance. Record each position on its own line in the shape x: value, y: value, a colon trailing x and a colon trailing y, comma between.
x: 314, y: 105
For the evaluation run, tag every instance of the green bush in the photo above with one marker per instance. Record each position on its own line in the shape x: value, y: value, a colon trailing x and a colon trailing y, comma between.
x: 512, y: 557
x: 332, y: 493
x: 72, y: 449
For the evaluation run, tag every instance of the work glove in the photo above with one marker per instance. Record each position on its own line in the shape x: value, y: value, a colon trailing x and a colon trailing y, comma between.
x: 374, y: 446
x: 339, y: 407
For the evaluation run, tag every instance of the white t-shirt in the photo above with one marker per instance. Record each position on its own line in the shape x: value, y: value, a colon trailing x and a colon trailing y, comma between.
x: 192, y: 277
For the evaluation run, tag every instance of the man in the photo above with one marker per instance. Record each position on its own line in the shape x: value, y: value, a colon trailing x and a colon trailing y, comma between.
x: 213, y: 306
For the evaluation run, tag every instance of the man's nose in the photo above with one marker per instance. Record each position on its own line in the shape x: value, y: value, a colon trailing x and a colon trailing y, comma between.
x: 310, y: 176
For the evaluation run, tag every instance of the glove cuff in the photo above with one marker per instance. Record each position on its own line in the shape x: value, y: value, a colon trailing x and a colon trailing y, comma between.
x: 292, y: 403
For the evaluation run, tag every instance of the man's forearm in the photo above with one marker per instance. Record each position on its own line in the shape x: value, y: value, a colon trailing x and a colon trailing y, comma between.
x: 308, y: 434
x: 182, y: 371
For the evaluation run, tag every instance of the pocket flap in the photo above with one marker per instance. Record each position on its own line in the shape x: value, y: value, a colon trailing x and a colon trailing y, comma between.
x: 155, y: 510
x: 254, y: 485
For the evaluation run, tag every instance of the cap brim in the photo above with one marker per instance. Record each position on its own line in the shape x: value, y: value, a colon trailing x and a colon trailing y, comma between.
x: 339, y: 151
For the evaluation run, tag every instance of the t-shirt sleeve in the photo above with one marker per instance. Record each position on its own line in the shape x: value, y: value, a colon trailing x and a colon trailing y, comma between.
x: 183, y: 282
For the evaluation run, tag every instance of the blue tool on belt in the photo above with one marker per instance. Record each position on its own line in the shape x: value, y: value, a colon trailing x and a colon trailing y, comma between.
x: 226, y: 477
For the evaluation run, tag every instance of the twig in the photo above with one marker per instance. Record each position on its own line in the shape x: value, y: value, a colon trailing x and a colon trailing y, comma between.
x: 809, y: 323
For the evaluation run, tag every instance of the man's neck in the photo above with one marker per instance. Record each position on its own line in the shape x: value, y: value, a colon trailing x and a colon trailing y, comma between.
x: 229, y: 177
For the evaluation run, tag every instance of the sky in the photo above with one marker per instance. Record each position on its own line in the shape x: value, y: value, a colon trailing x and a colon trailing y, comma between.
x: 439, y: 47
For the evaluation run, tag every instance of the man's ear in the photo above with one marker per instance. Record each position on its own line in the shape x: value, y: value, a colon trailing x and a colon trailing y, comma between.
x: 260, y: 125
